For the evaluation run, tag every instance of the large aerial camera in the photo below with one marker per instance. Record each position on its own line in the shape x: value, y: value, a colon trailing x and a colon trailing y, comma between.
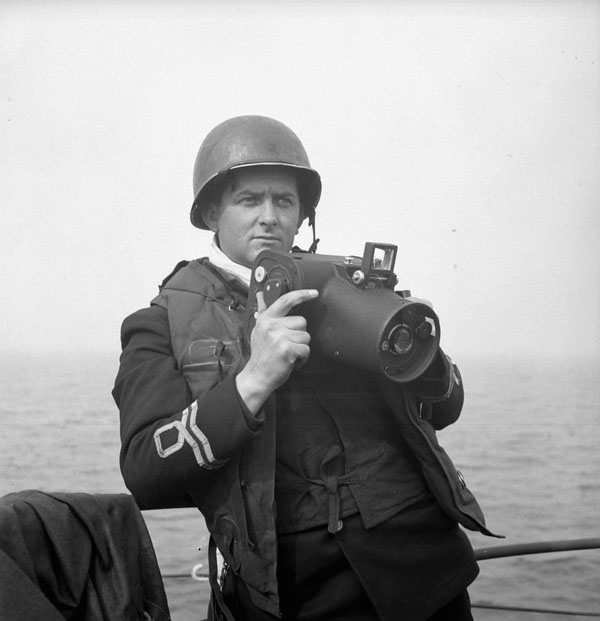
x: 358, y: 318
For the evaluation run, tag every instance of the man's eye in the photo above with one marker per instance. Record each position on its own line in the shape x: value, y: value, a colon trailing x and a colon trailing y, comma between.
x: 247, y: 200
x: 286, y: 202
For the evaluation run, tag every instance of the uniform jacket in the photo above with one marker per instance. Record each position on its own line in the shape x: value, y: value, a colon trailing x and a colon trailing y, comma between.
x: 77, y: 556
x: 186, y: 429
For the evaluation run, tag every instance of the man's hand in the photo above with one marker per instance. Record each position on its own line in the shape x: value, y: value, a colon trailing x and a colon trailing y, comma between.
x: 278, y: 343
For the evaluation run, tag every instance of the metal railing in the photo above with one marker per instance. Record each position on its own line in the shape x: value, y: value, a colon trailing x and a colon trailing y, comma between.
x: 539, y: 547
x: 484, y: 554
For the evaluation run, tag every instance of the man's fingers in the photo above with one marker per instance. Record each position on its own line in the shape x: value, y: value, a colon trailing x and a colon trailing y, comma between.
x: 283, y: 305
x: 297, y: 333
x: 260, y: 302
x: 302, y: 354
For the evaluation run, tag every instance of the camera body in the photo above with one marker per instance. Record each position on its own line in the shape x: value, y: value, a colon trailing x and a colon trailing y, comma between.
x: 358, y: 318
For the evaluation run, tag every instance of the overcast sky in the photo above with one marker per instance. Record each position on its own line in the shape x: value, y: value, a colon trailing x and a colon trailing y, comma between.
x: 467, y: 133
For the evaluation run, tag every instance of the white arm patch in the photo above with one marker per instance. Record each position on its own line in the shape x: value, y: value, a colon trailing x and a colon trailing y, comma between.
x: 202, y: 452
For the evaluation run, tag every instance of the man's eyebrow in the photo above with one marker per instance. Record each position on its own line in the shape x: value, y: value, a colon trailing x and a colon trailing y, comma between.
x: 246, y: 190
x: 260, y: 192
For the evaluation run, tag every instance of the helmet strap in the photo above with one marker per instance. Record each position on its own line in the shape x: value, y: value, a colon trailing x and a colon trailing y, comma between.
x: 313, y: 246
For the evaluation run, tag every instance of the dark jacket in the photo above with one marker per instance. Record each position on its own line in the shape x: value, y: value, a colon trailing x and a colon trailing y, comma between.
x: 221, y: 458
x: 77, y: 556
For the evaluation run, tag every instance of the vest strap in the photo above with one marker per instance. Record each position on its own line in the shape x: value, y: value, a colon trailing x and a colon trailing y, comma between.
x: 219, y: 605
x: 332, y: 484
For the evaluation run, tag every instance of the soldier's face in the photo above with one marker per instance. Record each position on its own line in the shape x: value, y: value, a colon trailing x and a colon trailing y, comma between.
x: 259, y: 209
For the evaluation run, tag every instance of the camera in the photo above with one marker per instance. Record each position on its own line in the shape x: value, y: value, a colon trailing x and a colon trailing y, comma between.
x: 358, y: 318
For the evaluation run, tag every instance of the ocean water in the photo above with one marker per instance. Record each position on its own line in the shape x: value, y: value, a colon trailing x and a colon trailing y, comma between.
x: 527, y: 443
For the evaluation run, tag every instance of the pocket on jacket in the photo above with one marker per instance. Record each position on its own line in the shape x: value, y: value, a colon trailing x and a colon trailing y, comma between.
x: 208, y: 361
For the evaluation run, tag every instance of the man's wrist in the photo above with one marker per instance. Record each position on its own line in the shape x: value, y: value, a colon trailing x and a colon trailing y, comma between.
x: 251, y: 391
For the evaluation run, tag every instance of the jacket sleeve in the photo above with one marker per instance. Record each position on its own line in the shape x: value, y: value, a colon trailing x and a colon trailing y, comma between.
x: 440, y: 390
x: 169, y: 441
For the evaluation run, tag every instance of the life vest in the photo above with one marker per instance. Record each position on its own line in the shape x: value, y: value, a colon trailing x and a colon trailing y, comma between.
x: 237, y: 501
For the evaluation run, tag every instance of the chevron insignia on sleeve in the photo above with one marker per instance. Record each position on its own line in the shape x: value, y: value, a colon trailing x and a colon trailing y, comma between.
x: 188, y: 433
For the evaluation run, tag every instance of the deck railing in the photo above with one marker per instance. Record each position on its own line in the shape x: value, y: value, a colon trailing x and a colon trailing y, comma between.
x: 489, y: 553
x: 539, y: 547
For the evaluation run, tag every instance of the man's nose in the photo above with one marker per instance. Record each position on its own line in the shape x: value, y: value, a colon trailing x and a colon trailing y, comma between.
x: 268, y: 215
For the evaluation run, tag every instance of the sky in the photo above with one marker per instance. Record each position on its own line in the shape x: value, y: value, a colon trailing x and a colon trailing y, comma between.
x: 466, y: 133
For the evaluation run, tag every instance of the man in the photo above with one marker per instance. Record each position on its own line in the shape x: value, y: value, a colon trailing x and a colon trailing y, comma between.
x: 326, y: 492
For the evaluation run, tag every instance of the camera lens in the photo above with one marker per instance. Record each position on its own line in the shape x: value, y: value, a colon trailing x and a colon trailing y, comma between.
x: 401, y: 340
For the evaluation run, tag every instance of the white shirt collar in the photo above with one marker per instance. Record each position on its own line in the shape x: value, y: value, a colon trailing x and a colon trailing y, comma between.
x: 217, y: 257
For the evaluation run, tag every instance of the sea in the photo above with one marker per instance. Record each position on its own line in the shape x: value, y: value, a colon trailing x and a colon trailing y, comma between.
x: 527, y: 443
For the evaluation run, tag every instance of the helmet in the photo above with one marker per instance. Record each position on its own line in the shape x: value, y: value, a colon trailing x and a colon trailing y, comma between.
x: 252, y: 141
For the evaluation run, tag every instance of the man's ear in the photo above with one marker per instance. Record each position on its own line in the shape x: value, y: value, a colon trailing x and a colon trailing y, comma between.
x: 210, y: 215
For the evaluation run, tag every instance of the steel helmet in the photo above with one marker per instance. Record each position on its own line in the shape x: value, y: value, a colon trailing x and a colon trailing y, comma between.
x: 252, y: 141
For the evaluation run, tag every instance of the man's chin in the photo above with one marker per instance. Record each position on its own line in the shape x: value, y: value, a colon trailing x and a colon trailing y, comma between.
x: 269, y: 244
x: 259, y: 245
